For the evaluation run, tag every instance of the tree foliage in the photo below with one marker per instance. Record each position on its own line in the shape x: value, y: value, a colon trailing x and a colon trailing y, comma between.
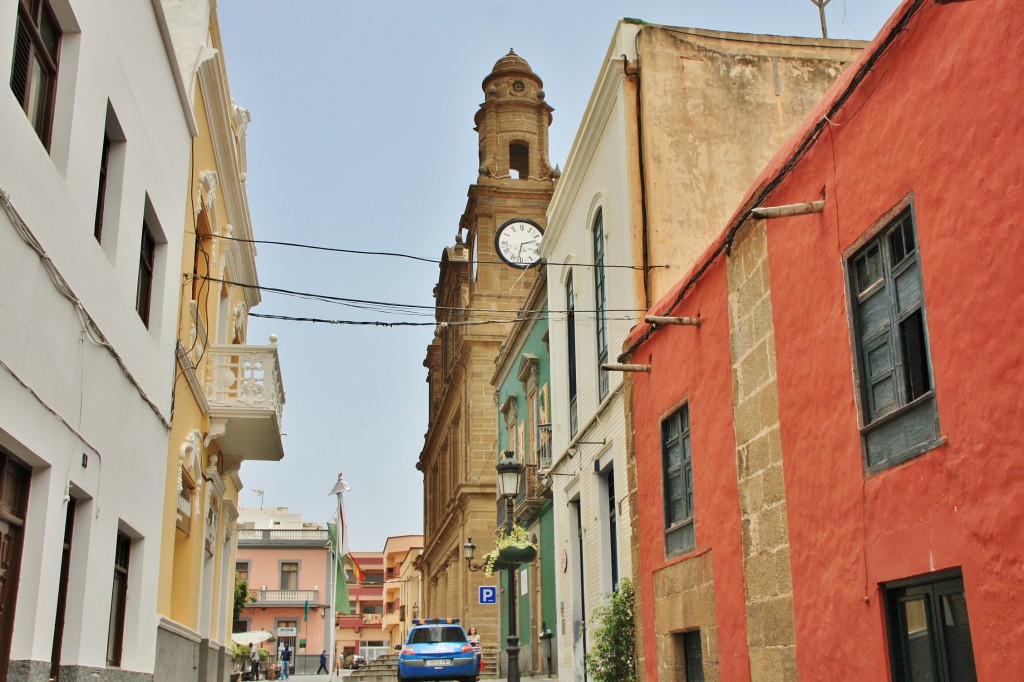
x: 241, y: 597
x: 613, y: 655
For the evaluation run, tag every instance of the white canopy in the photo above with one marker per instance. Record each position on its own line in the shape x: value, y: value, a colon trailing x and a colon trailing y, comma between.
x: 254, y: 637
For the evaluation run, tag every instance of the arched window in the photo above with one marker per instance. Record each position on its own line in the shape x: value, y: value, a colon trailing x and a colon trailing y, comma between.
x: 519, y: 160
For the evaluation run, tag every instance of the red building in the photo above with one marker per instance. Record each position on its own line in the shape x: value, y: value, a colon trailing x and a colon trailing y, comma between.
x: 827, y: 480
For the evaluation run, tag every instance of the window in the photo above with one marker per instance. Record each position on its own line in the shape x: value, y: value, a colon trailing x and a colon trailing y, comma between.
x: 289, y: 575
x: 34, y: 70
x: 891, y: 340
x: 600, y: 304
x: 677, y: 478
x: 147, y: 260
x: 118, y: 599
x: 929, y: 631
x: 241, y: 572
x: 519, y: 161
x: 101, y: 193
x: 201, y: 257
x: 613, y: 532
x: 570, y: 324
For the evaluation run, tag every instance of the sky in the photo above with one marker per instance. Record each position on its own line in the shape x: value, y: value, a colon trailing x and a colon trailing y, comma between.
x: 362, y: 139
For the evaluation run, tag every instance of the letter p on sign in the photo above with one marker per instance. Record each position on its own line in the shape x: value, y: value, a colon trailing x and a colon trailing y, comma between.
x: 488, y: 594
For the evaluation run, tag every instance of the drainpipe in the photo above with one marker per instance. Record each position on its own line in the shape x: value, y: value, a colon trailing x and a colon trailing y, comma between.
x: 645, y: 237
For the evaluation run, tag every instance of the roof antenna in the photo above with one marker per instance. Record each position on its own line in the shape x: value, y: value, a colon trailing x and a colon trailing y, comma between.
x: 821, y: 11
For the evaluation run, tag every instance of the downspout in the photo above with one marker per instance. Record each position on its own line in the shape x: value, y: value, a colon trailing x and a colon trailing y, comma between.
x: 643, y: 180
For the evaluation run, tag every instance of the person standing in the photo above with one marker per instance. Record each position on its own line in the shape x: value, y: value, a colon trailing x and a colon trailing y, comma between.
x: 474, y: 640
x: 254, y: 661
x: 286, y: 662
x: 323, y: 662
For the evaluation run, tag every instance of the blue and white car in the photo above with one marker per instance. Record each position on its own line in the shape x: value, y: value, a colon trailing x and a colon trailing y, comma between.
x: 438, y: 649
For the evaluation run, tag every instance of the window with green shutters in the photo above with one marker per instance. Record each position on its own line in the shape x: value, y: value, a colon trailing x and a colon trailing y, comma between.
x: 677, y: 480
x: 897, y: 400
x: 600, y: 304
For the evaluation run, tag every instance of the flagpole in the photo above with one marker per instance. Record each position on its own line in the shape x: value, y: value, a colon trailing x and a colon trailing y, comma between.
x: 334, y: 596
x: 340, y: 487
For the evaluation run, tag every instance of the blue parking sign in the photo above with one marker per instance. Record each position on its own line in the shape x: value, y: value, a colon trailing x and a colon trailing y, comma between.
x: 488, y: 594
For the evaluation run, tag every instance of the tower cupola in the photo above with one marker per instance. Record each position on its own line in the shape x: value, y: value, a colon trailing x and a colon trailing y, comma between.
x: 513, y: 124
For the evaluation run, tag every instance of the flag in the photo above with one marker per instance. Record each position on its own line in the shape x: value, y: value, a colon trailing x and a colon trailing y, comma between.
x: 339, y: 540
x: 341, y: 604
x: 339, y: 489
x: 357, y: 570
x: 305, y: 614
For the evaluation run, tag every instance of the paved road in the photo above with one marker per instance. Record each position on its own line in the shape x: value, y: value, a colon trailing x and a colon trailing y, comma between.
x: 346, y: 673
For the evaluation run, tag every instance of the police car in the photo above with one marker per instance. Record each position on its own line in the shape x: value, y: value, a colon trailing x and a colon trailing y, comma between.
x: 437, y: 649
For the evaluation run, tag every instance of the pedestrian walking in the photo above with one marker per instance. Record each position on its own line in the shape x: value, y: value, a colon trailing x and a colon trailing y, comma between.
x: 254, y: 662
x: 286, y: 662
x: 323, y: 662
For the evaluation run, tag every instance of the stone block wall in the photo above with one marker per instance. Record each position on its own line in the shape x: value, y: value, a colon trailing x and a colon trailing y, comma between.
x: 767, y: 578
x: 684, y: 593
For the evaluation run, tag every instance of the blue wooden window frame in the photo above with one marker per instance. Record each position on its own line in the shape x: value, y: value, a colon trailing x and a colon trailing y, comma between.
x: 677, y: 482
x: 899, y: 417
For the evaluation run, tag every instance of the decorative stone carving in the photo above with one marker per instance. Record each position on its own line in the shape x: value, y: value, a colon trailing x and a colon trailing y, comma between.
x: 218, y: 427
x: 188, y: 455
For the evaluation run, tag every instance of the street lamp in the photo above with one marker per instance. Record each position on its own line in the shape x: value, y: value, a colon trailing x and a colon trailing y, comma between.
x: 509, y: 475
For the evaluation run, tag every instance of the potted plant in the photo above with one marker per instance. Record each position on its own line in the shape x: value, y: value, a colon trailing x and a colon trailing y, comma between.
x: 511, y: 549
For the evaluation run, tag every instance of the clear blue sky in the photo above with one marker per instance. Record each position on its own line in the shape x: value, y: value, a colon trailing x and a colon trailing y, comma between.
x: 362, y: 138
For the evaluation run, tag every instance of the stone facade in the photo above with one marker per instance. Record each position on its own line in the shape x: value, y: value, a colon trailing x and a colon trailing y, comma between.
x: 769, y: 587
x: 685, y: 591
x: 460, y: 451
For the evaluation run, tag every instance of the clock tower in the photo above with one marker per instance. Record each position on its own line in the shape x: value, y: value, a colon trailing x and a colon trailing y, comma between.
x: 485, y: 277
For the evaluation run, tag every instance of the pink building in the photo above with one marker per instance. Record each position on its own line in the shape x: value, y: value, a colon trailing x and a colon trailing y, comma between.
x: 286, y: 566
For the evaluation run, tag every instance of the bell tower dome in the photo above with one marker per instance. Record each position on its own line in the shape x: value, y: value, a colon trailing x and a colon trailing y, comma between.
x: 513, y: 124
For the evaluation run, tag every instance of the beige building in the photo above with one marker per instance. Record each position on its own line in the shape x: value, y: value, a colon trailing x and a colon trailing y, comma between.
x: 679, y: 124
x: 485, y: 270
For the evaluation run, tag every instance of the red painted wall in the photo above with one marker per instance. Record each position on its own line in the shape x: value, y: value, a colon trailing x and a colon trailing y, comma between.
x: 939, y: 116
x: 693, y: 366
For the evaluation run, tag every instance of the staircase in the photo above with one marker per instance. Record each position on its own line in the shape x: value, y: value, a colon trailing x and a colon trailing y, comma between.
x: 385, y: 668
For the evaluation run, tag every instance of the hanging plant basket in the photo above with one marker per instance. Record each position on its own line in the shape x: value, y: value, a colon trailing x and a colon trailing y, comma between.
x: 513, y: 556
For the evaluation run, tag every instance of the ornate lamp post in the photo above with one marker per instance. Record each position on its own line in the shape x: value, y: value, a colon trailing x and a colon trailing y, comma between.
x: 509, y: 477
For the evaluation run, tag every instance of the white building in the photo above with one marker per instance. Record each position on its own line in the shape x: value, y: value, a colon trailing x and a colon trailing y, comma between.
x: 95, y: 128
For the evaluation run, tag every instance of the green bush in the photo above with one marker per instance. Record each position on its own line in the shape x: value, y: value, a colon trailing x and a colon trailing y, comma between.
x: 613, y: 655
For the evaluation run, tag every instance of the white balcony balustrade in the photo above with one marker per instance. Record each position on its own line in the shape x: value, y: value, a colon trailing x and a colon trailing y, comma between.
x: 245, y: 395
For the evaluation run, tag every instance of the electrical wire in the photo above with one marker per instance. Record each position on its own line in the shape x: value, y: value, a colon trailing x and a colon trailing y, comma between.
x: 531, y: 317
x: 392, y: 254
x: 89, y: 326
x: 386, y: 306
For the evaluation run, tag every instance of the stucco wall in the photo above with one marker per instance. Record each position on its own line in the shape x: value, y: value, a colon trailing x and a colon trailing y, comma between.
x: 691, y: 366
x: 958, y: 504
x: 65, y: 396
x: 715, y: 108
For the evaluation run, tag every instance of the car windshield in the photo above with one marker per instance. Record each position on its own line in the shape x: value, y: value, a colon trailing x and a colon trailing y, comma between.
x: 436, y: 635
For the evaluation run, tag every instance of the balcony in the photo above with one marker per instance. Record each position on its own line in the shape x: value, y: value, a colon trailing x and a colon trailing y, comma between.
x: 245, y: 396
x: 531, y: 494
x: 298, y: 537
x: 297, y: 598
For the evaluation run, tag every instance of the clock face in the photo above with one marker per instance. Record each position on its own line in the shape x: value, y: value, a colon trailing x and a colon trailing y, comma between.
x: 518, y: 242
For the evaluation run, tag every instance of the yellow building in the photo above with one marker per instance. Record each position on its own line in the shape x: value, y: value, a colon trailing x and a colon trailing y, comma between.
x: 228, y: 395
